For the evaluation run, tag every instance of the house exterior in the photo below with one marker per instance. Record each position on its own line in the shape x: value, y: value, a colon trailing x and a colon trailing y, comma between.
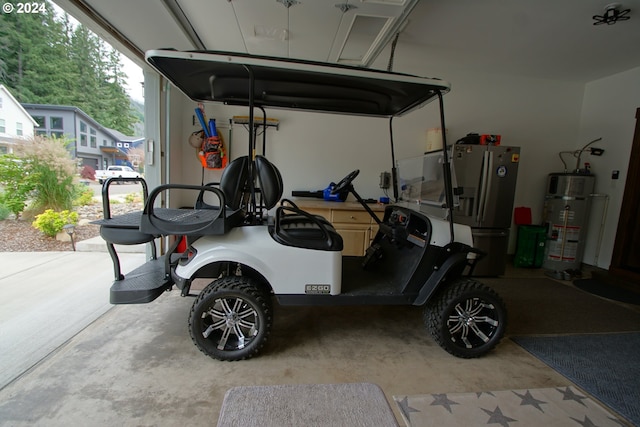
x: 126, y: 144
x: 15, y: 122
x: 91, y: 143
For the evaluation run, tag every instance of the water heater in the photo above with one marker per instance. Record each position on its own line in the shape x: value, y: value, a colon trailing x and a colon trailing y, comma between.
x: 567, y: 204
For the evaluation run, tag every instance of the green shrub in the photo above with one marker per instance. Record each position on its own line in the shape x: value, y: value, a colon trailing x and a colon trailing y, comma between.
x: 133, y: 198
x: 51, y: 222
x: 4, y: 212
x: 17, y: 183
x: 13, y: 202
x: 51, y: 170
x: 84, y: 196
x: 52, y: 190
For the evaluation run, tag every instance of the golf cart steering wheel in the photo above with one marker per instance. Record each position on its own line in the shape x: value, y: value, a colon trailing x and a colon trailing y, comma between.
x: 346, y: 182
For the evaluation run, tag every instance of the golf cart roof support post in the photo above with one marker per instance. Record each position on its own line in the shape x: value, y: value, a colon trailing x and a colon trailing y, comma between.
x: 447, y: 166
x: 252, y: 151
x: 264, y: 130
x: 264, y: 142
x: 394, y: 172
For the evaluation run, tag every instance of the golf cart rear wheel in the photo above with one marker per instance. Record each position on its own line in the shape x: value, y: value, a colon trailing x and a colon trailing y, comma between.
x: 231, y: 319
x: 467, y: 318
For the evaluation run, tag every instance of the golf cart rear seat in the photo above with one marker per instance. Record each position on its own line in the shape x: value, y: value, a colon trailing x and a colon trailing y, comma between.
x: 144, y: 226
x: 204, y: 219
x: 291, y: 225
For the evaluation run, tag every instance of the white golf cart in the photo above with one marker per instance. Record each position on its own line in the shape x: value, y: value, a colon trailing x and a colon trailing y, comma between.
x: 256, y: 246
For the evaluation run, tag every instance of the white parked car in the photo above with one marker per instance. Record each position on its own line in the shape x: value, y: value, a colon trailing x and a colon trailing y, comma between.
x: 116, y: 172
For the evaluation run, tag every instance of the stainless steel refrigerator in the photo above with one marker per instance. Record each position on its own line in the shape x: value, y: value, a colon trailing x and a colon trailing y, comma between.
x: 486, y: 178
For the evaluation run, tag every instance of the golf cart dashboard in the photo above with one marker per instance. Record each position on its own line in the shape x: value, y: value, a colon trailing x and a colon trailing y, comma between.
x: 402, y: 224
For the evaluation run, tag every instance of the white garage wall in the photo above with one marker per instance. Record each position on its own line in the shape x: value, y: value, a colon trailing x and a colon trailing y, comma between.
x: 608, y: 111
x: 541, y: 116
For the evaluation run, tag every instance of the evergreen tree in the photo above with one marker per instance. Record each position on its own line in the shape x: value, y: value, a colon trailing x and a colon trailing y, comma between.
x: 47, y: 73
x: 44, y: 59
x: 117, y: 99
x: 15, y: 44
x: 85, y: 65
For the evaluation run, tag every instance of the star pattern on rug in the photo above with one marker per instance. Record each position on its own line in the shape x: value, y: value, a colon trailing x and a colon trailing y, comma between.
x: 405, y: 408
x: 443, y: 400
x: 586, y: 423
x: 497, y: 417
x: 528, y: 399
x: 480, y: 393
x: 557, y: 406
x: 570, y: 395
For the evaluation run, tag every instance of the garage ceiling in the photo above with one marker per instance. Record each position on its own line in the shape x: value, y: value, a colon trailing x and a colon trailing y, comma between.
x: 544, y: 38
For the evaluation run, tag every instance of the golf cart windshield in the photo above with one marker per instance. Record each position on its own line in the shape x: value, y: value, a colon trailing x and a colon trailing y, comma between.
x: 421, y: 182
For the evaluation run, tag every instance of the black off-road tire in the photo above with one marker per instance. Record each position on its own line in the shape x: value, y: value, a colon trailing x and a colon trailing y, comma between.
x: 467, y: 319
x: 231, y: 319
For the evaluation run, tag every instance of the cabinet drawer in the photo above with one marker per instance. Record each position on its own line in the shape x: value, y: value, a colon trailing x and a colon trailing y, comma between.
x: 355, y: 240
x: 325, y: 213
x: 356, y: 217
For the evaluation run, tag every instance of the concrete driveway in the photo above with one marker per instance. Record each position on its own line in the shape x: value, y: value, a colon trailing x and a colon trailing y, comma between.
x: 48, y: 297
x: 115, y: 189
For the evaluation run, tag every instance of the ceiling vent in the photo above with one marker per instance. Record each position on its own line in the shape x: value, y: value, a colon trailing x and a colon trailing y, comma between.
x: 366, y: 28
x: 351, y: 32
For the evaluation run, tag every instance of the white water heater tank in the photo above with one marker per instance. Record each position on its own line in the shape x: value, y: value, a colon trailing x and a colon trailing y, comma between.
x: 567, y: 203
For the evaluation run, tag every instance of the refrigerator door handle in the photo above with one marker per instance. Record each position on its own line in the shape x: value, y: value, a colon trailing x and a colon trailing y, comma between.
x: 489, y: 179
x: 483, y: 187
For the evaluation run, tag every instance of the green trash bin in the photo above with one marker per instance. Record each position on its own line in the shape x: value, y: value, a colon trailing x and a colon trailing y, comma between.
x: 530, y: 246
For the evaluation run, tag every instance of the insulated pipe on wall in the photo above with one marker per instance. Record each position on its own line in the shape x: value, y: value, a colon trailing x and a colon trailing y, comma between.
x: 603, y: 221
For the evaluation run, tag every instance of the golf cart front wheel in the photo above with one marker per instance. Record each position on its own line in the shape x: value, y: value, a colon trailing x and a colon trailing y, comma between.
x: 467, y: 319
x: 231, y: 319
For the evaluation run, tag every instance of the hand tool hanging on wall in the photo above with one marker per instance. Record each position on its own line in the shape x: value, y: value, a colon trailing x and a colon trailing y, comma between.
x: 212, y: 153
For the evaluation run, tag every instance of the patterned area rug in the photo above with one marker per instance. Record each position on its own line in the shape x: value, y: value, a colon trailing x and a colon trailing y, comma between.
x: 563, y: 406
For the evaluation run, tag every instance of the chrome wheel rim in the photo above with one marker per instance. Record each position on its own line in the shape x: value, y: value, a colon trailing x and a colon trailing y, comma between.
x: 231, y: 323
x: 473, y: 323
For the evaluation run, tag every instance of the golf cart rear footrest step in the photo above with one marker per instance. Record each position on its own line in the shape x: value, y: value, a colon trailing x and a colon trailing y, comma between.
x: 142, y: 285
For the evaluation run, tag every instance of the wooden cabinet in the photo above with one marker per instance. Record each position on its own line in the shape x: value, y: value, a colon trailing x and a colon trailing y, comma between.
x: 350, y: 220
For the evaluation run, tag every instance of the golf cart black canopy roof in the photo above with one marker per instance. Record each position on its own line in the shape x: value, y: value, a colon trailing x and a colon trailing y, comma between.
x: 301, y: 85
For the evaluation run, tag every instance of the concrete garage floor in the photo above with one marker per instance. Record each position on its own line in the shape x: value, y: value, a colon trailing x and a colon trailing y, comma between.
x: 48, y: 297
x: 136, y: 365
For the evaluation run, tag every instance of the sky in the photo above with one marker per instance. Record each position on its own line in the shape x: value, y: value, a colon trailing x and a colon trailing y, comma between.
x: 135, y: 78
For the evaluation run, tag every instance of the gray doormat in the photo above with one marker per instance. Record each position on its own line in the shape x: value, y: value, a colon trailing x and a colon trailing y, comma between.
x: 330, y: 405
x: 604, y: 365
x: 602, y: 289
x: 557, y: 407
